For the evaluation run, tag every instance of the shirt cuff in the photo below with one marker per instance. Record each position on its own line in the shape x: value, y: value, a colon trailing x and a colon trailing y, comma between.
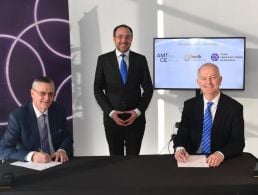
x: 138, y: 112
x: 28, y: 157
x: 62, y: 150
x: 110, y: 114
x: 221, y: 154
x: 179, y: 148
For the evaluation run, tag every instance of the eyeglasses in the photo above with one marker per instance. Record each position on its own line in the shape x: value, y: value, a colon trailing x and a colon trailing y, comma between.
x: 120, y: 37
x: 43, y: 94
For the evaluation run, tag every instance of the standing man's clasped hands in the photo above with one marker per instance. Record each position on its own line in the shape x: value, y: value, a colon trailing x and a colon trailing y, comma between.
x: 129, y: 118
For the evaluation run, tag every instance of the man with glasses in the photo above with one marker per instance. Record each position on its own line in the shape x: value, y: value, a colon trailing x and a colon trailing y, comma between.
x: 38, y: 130
x: 123, y: 89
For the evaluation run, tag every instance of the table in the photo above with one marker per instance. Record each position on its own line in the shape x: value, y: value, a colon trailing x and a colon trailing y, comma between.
x: 146, y: 174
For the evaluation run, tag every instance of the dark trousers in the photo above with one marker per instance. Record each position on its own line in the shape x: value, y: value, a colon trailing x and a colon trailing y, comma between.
x: 124, y: 140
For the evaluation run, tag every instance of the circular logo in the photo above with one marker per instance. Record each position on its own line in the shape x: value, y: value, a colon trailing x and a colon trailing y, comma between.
x: 214, y: 57
x: 187, y: 57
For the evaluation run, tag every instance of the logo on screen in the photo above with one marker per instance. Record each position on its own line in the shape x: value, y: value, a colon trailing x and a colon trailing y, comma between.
x: 163, y: 57
x: 214, y: 57
x: 190, y: 57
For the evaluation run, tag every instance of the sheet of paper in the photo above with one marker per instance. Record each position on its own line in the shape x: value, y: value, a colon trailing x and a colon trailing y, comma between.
x: 36, y: 166
x: 194, y: 161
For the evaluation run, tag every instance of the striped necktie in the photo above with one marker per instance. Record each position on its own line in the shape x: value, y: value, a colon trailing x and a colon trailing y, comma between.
x: 206, y: 131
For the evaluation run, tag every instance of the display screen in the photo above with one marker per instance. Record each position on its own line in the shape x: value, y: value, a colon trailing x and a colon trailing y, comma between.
x: 176, y: 61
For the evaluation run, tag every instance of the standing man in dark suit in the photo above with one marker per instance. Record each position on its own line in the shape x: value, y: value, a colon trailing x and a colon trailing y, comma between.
x: 123, y: 97
x: 25, y: 138
x: 227, y: 129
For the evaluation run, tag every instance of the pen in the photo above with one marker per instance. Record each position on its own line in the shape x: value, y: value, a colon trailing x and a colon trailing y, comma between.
x: 47, y: 156
x: 183, y: 153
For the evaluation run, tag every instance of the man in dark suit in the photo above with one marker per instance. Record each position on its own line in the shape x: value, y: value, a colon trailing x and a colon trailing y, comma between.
x: 123, y: 99
x: 226, y: 138
x: 24, y: 137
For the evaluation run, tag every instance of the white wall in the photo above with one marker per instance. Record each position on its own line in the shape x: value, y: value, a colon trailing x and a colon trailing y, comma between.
x: 92, y: 23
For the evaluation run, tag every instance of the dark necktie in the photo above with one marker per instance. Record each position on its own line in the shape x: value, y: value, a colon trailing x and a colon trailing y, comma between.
x: 123, y: 69
x: 44, y: 133
x: 206, y: 132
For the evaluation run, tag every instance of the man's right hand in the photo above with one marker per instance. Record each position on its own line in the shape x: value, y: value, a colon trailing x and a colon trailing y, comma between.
x: 117, y: 119
x: 41, y: 157
x: 181, y: 155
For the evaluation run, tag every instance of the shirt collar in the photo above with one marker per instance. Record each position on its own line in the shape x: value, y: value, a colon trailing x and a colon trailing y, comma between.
x: 215, y: 100
x: 118, y: 53
x: 38, y: 113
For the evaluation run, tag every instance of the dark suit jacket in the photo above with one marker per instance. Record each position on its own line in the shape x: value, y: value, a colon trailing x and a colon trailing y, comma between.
x: 227, y: 130
x: 22, y: 133
x: 109, y: 90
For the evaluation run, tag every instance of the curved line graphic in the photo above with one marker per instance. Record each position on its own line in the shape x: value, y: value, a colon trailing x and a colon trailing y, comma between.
x: 41, y: 36
x: 59, y: 89
x: 16, y: 39
x: 61, y: 85
x: 12, y: 48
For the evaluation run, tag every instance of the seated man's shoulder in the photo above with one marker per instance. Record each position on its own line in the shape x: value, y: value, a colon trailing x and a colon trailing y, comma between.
x: 57, y: 107
x: 231, y: 101
x: 193, y: 100
x: 106, y: 55
x: 22, y: 109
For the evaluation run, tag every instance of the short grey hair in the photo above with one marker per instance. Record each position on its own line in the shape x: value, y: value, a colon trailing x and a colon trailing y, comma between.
x: 42, y: 79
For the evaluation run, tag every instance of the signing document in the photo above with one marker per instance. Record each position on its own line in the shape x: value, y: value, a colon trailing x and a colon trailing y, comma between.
x: 36, y: 166
x: 194, y: 161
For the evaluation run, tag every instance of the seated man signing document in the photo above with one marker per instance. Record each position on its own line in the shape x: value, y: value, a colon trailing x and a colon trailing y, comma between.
x: 37, y: 131
x: 212, y: 123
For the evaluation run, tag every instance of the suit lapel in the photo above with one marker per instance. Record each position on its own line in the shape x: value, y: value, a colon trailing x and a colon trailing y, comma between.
x: 131, y: 69
x: 199, y: 115
x: 131, y: 65
x: 51, y: 119
x: 34, y: 125
x: 219, y: 112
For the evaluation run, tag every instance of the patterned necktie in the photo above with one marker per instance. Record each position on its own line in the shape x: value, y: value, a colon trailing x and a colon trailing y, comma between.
x: 44, y: 132
x: 123, y: 69
x: 206, y: 132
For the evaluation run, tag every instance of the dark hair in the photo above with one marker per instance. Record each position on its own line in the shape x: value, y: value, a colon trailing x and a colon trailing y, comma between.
x: 122, y: 26
x: 42, y: 79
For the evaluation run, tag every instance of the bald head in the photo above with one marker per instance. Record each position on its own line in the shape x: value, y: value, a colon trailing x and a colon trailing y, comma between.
x: 209, y: 65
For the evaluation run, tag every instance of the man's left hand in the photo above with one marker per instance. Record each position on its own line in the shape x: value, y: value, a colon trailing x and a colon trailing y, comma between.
x: 132, y: 117
x: 215, y: 159
x: 60, y: 155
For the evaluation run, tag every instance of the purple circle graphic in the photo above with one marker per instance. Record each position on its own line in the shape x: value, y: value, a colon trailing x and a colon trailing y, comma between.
x: 214, y: 57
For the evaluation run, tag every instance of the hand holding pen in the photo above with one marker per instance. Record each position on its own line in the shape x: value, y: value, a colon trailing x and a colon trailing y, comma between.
x: 181, y: 155
x: 41, y: 157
